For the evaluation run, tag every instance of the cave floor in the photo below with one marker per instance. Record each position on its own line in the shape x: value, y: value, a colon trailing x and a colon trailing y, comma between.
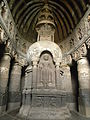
x: 13, y: 115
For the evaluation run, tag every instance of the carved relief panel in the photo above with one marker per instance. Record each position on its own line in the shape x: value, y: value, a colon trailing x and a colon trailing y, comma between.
x: 46, y: 72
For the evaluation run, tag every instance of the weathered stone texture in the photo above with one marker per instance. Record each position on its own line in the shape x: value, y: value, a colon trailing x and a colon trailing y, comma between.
x: 4, y: 75
x: 14, y: 87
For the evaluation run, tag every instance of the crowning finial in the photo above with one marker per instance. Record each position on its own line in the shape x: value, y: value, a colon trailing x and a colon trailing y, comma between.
x: 46, y: 15
x: 45, y: 25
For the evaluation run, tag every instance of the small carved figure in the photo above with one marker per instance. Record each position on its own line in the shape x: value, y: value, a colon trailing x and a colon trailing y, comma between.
x: 72, y: 42
x: 4, y: 11
x: 79, y: 33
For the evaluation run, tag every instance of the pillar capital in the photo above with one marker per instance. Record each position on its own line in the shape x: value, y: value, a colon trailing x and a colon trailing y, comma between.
x: 8, y: 48
x: 5, y: 60
x: 83, y: 60
x: 67, y: 61
x: 20, y: 60
x: 6, y: 54
x: 28, y: 69
x: 80, y: 53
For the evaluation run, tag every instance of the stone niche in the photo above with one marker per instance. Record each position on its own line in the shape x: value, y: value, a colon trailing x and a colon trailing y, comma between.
x: 43, y: 87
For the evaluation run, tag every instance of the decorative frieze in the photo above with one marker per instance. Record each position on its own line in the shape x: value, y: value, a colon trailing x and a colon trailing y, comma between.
x: 79, y: 35
x: 7, y: 27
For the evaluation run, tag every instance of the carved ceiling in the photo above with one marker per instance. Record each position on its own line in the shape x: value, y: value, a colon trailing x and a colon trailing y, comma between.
x: 67, y: 14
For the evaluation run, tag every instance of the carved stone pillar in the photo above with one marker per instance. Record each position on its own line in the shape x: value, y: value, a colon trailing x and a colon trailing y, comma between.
x: 65, y: 76
x: 28, y: 78
x: 68, y: 83
x: 34, y: 82
x: 58, y: 85
x: 26, y: 100
x: 14, y: 87
x: 67, y: 86
x: 28, y: 86
x: 84, y: 86
x: 4, y: 74
x: 83, y: 79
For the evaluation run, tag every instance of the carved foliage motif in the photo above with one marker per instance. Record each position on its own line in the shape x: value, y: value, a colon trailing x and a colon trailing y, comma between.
x: 46, y: 101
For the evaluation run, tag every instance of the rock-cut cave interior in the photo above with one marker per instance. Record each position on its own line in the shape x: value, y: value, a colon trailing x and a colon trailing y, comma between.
x: 44, y: 59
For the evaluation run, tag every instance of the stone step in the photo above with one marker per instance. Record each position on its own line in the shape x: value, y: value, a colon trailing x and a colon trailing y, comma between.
x: 37, y: 113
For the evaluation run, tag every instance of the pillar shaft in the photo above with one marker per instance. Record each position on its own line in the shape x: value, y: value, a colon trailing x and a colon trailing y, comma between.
x: 14, y: 87
x: 84, y: 86
x: 34, y: 82
x: 28, y: 86
x: 67, y: 85
x: 58, y: 83
x: 4, y: 74
x: 28, y: 78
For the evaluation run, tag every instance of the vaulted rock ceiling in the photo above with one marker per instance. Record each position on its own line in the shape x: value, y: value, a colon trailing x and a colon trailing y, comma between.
x: 67, y: 14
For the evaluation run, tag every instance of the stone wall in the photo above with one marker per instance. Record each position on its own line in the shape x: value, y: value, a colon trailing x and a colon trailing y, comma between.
x: 79, y: 35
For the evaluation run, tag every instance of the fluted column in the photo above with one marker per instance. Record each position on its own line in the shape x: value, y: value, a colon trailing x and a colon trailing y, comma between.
x: 84, y: 86
x: 14, y: 87
x: 4, y: 75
